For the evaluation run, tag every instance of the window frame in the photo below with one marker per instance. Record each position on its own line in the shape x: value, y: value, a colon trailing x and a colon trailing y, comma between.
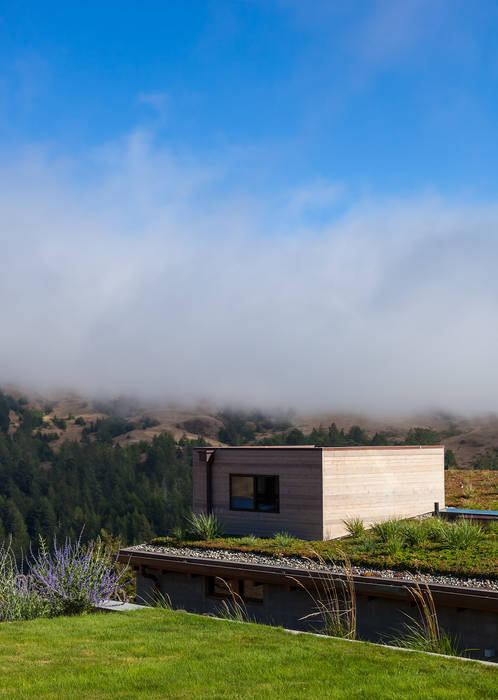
x: 254, y: 477
x: 237, y: 588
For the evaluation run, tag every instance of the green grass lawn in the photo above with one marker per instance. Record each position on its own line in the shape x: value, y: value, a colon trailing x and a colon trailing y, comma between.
x: 162, y: 654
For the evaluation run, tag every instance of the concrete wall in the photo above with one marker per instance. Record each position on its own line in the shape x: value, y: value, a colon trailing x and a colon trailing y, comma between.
x: 300, y: 482
x: 378, y: 619
x: 376, y: 483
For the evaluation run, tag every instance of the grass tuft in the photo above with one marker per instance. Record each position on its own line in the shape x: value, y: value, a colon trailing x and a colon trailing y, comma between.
x: 425, y: 633
x: 283, y: 539
x: 462, y: 534
x: 334, y: 601
x: 355, y: 527
x: 205, y: 526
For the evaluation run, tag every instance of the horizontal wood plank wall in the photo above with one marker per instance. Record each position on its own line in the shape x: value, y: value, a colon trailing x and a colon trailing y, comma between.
x: 199, y: 482
x: 375, y: 484
x: 300, y: 482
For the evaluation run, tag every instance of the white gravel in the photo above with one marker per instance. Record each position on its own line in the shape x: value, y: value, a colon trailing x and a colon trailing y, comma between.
x: 294, y: 562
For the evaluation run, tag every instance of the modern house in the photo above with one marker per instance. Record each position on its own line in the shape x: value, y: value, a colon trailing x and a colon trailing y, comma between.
x: 309, y: 491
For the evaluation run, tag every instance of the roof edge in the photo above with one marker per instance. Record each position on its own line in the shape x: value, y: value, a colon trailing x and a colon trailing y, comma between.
x: 314, y: 447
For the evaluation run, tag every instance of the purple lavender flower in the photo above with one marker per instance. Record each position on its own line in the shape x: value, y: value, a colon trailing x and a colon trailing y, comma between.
x: 75, y: 578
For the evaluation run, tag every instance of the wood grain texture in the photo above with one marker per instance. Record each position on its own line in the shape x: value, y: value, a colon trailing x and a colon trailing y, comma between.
x: 379, y: 483
x: 300, y: 481
x: 321, y: 487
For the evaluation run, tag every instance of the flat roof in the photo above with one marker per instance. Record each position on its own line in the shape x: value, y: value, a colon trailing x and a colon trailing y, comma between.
x: 314, y: 447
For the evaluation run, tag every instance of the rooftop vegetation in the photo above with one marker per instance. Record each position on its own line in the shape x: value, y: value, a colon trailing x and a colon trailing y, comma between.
x: 476, y: 488
x: 461, y: 548
x: 156, y: 653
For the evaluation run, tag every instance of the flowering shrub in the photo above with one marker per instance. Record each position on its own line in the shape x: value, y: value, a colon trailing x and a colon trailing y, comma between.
x: 71, y: 579
x: 74, y: 578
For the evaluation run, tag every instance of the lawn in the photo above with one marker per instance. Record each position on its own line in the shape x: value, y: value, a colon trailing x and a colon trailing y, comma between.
x: 157, y: 653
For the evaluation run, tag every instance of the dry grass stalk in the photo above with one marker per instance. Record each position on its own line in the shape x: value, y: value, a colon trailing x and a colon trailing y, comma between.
x: 425, y: 634
x: 427, y: 610
x: 334, y: 599
x: 235, y: 608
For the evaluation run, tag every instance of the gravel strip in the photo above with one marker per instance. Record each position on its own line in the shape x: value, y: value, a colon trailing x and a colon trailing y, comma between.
x: 294, y: 562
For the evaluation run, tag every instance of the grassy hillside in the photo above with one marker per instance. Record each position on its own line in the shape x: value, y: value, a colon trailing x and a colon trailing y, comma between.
x: 155, y: 653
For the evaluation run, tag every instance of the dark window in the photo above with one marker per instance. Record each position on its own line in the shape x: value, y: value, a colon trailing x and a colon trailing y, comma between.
x: 241, y: 492
x: 221, y: 587
x: 250, y: 591
x: 254, y: 493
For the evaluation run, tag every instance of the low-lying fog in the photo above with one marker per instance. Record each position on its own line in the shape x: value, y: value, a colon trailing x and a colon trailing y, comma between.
x: 148, y: 275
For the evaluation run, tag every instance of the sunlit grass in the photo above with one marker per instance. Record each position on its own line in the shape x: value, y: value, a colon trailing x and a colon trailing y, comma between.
x: 158, y: 653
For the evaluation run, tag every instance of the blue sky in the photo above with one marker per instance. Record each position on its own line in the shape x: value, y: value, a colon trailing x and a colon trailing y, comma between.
x: 280, y: 203
x: 380, y: 96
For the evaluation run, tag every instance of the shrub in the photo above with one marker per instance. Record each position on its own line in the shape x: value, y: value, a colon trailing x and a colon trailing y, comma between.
x: 205, y: 526
x: 366, y: 545
x: 435, y: 529
x: 148, y: 422
x: 355, y: 527
x: 73, y: 579
x: 179, y: 533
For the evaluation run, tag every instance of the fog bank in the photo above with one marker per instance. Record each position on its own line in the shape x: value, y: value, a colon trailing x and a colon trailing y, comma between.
x: 140, y: 272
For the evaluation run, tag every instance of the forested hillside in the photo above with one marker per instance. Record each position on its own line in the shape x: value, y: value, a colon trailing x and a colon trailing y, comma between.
x: 121, y: 467
x: 135, y: 491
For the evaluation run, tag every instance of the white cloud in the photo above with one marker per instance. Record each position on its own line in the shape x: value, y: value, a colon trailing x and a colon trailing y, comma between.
x: 152, y: 278
x: 315, y: 196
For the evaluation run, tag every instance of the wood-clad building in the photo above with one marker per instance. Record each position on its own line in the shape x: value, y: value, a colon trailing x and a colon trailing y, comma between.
x: 308, y: 491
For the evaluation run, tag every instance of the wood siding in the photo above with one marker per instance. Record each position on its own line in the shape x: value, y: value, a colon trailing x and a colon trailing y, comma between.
x: 374, y: 484
x: 199, y: 481
x: 300, y: 484
x: 321, y: 487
